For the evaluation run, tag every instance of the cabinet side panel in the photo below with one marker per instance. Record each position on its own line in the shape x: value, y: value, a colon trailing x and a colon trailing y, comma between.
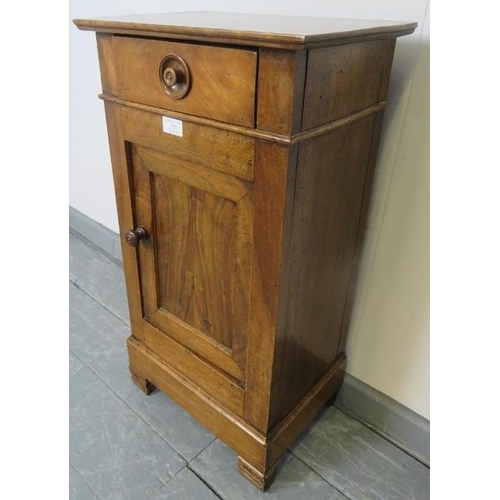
x: 345, y: 79
x: 317, y: 260
x: 360, y: 233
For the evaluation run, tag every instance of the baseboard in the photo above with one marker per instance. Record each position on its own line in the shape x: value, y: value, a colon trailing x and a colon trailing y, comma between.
x: 97, y: 235
x: 397, y: 423
x: 391, y: 419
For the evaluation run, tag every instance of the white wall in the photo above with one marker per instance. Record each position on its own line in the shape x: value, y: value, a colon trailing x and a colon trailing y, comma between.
x: 388, y: 346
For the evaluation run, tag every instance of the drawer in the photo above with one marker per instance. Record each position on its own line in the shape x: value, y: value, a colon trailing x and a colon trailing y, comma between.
x: 208, y: 81
x: 200, y: 145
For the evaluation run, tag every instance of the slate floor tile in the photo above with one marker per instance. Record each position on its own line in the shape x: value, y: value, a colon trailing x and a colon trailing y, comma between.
x: 360, y: 463
x: 74, y: 364
x: 99, y: 339
x: 96, y: 336
x: 78, y: 489
x: 185, y: 486
x: 123, y: 444
x: 294, y: 481
x: 116, y: 453
x: 100, y: 277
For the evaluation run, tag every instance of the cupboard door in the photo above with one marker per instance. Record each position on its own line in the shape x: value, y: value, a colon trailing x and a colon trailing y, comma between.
x: 195, y: 265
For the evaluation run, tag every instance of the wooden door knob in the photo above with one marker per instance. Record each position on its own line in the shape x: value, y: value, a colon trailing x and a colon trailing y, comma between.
x: 171, y: 77
x: 175, y: 76
x: 133, y: 237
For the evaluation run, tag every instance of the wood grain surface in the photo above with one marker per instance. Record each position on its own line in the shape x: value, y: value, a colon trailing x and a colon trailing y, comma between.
x: 343, y: 80
x: 317, y: 259
x: 196, y: 264
x: 290, y: 32
x: 279, y: 107
x: 126, y: 214
x: 240, y: 295
x: 205, y: 146
x: 223, y: 79
x: 274, y: 180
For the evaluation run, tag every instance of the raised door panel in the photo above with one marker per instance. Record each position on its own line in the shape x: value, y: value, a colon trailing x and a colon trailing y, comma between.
x: 195, y: 267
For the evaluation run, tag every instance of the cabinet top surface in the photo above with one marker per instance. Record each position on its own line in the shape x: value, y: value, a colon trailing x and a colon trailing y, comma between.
x: 245, y: 29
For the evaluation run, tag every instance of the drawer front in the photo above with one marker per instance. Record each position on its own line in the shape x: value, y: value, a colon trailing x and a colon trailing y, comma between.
x: 212, y: 82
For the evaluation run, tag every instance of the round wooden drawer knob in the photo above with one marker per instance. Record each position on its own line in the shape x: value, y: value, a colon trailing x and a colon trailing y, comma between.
x: 175, y: 76
x: 133, y: 237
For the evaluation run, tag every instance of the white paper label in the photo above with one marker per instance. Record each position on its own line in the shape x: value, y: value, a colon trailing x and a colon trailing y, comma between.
x: 172, y: 126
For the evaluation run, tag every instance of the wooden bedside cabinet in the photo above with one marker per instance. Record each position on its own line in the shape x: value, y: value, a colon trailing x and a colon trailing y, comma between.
x: 243, y: 149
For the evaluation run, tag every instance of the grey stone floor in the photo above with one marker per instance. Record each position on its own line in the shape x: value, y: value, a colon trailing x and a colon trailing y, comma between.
x: 126, y: 445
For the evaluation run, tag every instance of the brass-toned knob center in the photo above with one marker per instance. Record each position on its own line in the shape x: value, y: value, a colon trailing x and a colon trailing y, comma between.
x: 171, y: 77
